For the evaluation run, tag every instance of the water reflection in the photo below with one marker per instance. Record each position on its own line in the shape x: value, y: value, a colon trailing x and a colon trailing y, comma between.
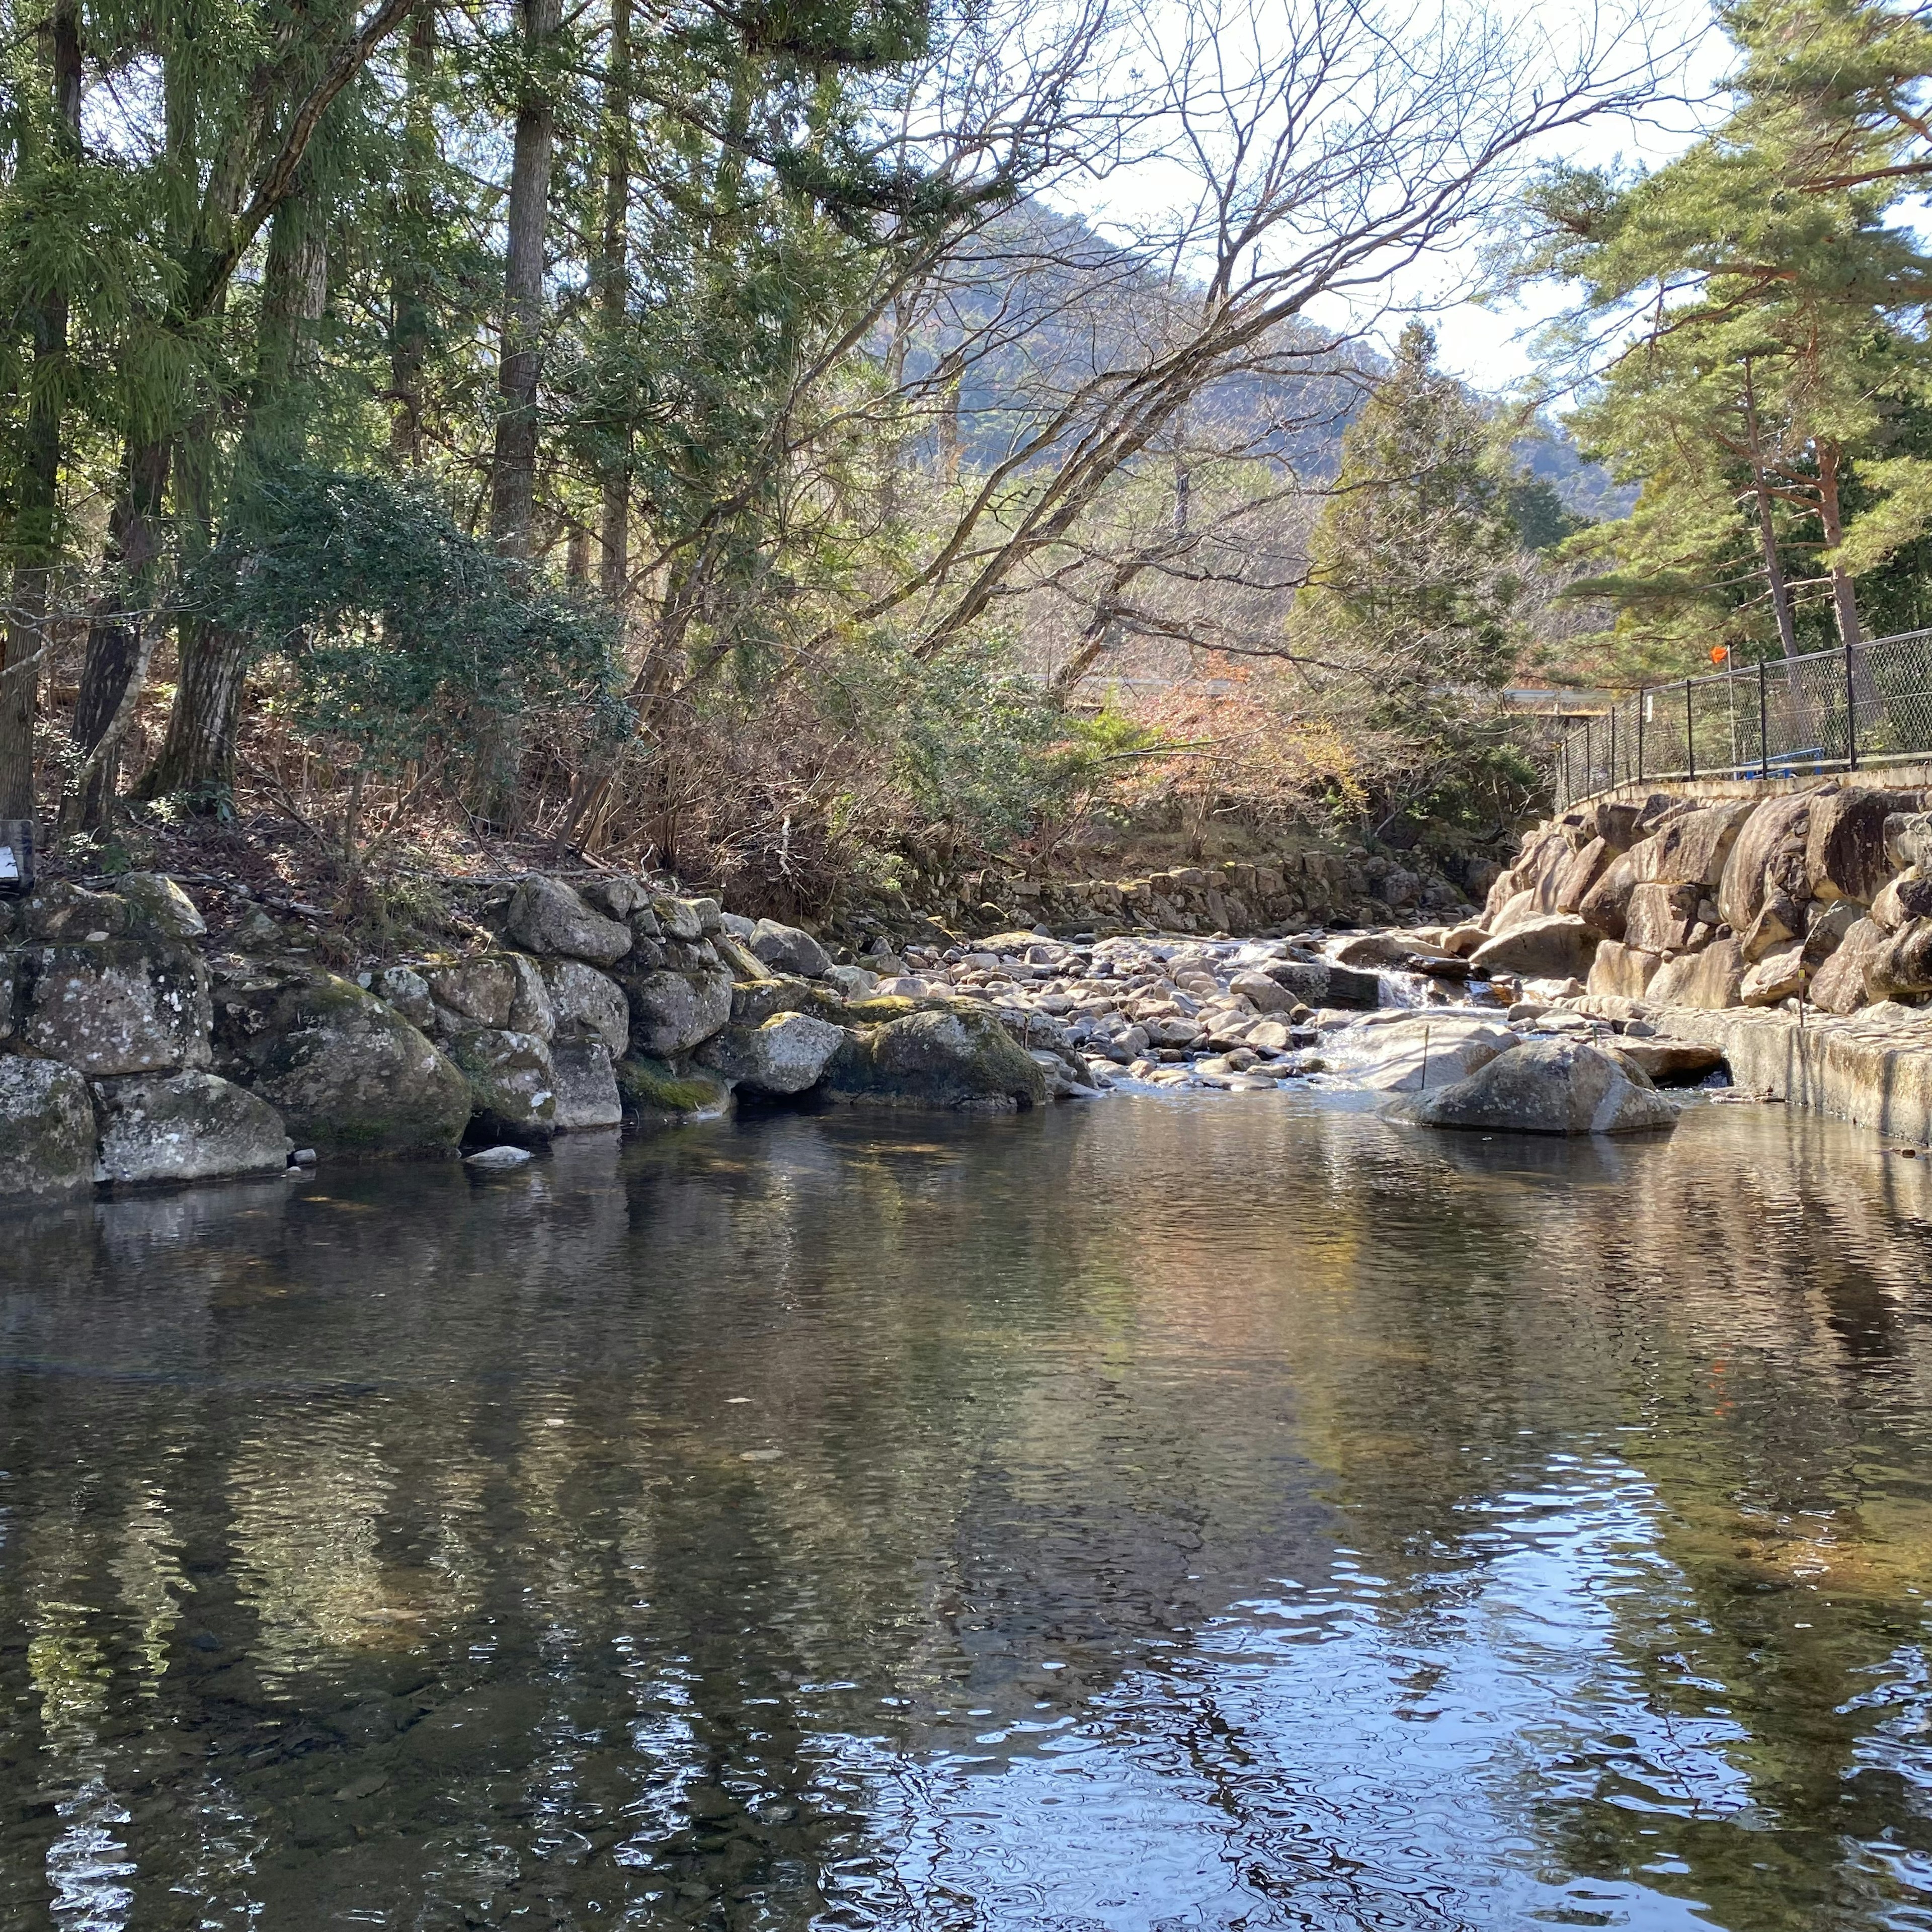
x: 1235, y: 1512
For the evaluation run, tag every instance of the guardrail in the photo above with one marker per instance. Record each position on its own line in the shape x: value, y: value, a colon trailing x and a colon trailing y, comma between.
x: 1830, y: 711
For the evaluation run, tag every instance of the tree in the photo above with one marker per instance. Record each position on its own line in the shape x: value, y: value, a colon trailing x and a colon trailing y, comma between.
x: 1777, y: 303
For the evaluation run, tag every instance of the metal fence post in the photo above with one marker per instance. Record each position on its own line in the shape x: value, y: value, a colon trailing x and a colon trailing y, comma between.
x: 1763, y: 723
x: 1851, y: 713
x: 1689, y: 734
x: 1566, y: 772
x: 1613, y: 744
x: 1642, y: 706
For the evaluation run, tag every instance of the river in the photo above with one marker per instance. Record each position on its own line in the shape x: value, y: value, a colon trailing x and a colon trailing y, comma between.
x: 1210, y: 1511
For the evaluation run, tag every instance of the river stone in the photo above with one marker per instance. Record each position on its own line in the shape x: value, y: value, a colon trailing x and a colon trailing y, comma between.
x: 654, y: 1093
x: 787, y: 1054
x: 1659, y: 917
x: 1370, y: 950
x: 1414, y: 1054
x: 1712, y: 979
x: 1548, y: 1087
x: 753, y: 1001
x: 1838, y: 986
x: 127, y: 1007
x: 512, y: 1085
x: 959, y: 1058
x: 616, y: 897
x: 586, y: 1088
x: 405, y: 989
x: 160, y: 907
x: 1779, y: 918
x: 677, y: 918
x: 1777, y: 976
x: 46, y: 1129
x: 853, y: 982
x: 1557, y: 947
x: 348, y: 1074
x: 744, y: 963
x: 548, y: 916
x: 673, y: 1012
x: 583, y: 999
x: 1674, y: 1063
x: 476, y: 991
x: 1262, y: 992
x: 1740, y: 892
x: 1844, y: 850
x: 784, y: 948
x: 1621, y: 971
x: 185, y: 1127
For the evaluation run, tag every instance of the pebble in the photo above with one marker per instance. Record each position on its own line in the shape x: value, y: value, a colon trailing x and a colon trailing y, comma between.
x: 491, y: 1158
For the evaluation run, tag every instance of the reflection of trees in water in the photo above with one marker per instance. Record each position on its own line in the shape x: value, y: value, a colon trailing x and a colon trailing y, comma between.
x: 432, y: 1497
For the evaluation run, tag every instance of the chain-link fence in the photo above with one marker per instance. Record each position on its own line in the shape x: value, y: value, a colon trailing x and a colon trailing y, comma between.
x: 1833, y: 711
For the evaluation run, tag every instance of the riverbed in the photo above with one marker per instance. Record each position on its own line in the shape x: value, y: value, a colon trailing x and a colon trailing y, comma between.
x: 1198, y: 1510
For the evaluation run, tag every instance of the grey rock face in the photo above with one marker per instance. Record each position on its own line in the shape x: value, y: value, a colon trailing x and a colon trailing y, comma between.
x: 787, y: 1054
x: 1558, y: 947
x: 120, y: 1007
x: 512, y: 1085
x: 185, y: 1127
x: 548, y: 916
x: 853, y: 982
x: 586, y: 1088
x: 955, y: 1059
x: 46, y: 1129
x: 784, y: 948
x: 408, y: 991
x: 60, y: 910
x: 672, y: 1012
x: 582, y: 1001
x: 678, y: 918
x: 1548, y: 1087
x: 348, y: 1074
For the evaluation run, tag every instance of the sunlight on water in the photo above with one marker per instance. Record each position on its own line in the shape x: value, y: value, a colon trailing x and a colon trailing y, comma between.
x: 1230, y: 1512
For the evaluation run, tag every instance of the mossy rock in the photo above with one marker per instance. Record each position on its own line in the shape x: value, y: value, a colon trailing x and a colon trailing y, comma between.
x: 962, y: 1058
x: 348, y: 1074
x: 652, y: 1091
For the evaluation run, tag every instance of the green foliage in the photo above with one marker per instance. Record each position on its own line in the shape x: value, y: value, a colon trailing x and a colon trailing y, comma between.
x: 402, y: 632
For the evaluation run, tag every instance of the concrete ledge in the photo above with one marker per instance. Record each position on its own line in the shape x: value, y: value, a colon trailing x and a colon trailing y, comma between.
x: 1873, y: 1069
x: 1912, y: 773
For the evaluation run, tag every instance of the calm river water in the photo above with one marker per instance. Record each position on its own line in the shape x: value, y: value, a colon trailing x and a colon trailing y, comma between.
x: 1231, y: 1512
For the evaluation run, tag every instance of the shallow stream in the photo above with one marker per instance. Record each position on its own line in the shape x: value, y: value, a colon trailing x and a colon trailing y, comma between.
x: 1216, y: 1511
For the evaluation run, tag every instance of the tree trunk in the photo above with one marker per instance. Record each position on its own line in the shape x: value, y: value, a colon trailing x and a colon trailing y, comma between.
x: 120, y: 636
x: 409, y: 281
x: 36, y: 519
x: 197, y: 757
x: 513, y: 467
x: 613, y: 564
x: 1844, y: 597
x: 1774, y: 570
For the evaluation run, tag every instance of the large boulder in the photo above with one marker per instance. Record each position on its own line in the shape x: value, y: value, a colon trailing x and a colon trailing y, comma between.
x: 1603, y: 907
x: 546, y: 915
x: 61, y: 911
x: 185, y: 1127
x: 1903, y: 900
x: 405, y: 989
x: 1838, y: 986
x: 1570, y: 882
x: 1776, y: 823
x: 1621, y: 972
x: 1659, y: 917
x: 1845, y: 856
x: 583, y: 1000
x: 1425, y: 1052
x: 501, y: 991
x: 785, y: 949
x: 1902, y: 968
x: 122, y: 1007
x: 1548, y: 1087
x: 753, y: 1001
x: 787, y: 1054
x: 1262, y: 992
x: 512, y: 1085
x: 587, y: 1087
x: 958, y: 1058
x: 347, y: 1073
x: 1712, y: 979
x: 1692, y: 849
x: 1777, y: 975
x: 46, y: 1129
x: 672, y: 1012
x: 1557, y: 947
